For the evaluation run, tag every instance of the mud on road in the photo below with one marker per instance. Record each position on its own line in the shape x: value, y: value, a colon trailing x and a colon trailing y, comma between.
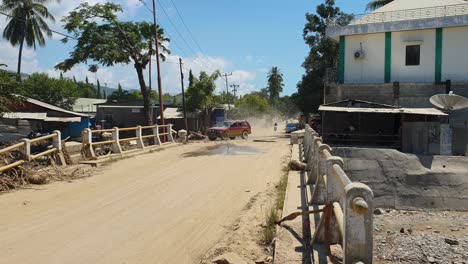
x: 170, y: 206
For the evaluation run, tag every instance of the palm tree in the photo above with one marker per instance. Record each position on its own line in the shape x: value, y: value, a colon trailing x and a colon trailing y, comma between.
x: 375, y: 4
x: 275, y: 84
x: 26, y: 24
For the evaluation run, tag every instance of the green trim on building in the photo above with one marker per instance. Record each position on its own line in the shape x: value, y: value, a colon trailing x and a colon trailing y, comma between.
x: 388, y: 57
x: 341, y: 60
x: 438, y: 55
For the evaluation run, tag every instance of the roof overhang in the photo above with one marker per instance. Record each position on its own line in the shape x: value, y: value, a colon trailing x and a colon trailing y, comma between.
x: 40, y: 116
x: 412, y: 111
x: 401, y: 25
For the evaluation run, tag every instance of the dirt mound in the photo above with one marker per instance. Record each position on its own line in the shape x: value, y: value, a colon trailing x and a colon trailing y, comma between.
x: 406, y: 181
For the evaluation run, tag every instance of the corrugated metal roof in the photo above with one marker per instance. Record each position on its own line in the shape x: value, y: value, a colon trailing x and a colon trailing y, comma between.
x: 87, y: 105
x: 63, y: 119
x: 52, y: 107
x: 413, y: 111
x: 23, y: 115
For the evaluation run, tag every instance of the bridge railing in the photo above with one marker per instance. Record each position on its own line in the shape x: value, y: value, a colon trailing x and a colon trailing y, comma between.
x: 157, y: 135
x: 347, y: 215
x: 26, y: 155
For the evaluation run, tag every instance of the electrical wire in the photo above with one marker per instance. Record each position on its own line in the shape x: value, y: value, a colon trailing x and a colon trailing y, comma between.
x: 185, y: 25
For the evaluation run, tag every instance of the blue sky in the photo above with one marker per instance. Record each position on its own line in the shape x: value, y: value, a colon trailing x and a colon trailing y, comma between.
x: 245, y: 37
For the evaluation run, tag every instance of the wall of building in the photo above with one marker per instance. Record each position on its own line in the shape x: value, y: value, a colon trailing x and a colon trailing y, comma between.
x: 425, y: 72
x: 370, y: 68
x: 455, y: 54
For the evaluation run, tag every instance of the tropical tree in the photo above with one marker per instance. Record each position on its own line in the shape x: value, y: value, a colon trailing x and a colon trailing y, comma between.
x: 376, y: 4
x: 27, y: 24
x: 98, y: 90
x: 323, y: 54
x: 120, y: 94
x: 9, y: 88
x: 250, y: 105
x: 200, y: 94
x: 58, y: 92
x: 275, y: 84
x: 105, y: 40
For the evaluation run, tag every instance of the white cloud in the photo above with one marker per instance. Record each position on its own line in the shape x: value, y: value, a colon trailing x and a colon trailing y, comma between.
x: 29, y: 62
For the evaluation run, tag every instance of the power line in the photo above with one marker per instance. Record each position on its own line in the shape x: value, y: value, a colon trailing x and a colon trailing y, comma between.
x: 166, y: 32
x: 175, y: 27
x: 53, y: 31
x: 185, y: 25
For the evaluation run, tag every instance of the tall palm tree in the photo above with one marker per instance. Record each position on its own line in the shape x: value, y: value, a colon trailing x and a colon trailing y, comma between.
x: 275, y: 84
x: 26, y: 24
x: 375, y: 4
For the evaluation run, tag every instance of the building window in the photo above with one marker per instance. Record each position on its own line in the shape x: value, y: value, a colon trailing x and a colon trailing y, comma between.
x: 413, y: 55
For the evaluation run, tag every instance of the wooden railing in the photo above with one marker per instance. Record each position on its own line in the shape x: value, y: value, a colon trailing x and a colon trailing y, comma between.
x: 158, y: 136
x: 24, y: 148
x: 348, y: 206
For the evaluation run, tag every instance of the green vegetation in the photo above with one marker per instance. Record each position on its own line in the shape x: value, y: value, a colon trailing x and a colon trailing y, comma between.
x: 273, y: 215
x: 8, y: 88
x: 102, y: 38
x: 59, y: 92
x: 29, y: 26
x: 275, y: 84
x: 200, y: 94
x: 323, y: 54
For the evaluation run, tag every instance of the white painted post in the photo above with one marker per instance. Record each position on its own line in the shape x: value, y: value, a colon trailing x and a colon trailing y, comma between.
x: 156, y: 133
x: 116, y: 148
x: 335, y: 189
x: 139, y: 134
x: 171, y: 137
x: 88, y: 143
x: 26, y: 149
x: 57, y: 140
x: 358, y: 224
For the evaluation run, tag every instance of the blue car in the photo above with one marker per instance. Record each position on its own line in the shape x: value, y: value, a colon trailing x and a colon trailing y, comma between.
x: 291, y: 127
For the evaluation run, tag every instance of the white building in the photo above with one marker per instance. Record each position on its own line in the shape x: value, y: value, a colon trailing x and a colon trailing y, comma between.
x: 418, y: 41
x: 400, y: 55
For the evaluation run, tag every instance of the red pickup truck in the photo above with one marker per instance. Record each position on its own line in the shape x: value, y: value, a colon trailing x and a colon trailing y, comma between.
x: 230, y: 129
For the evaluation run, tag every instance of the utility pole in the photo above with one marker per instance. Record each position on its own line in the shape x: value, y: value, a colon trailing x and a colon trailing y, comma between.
x: 234, y: 89
x: 149, y: 69
x: 158, y: 67
x: 183, y: 94
x: 225, y: 75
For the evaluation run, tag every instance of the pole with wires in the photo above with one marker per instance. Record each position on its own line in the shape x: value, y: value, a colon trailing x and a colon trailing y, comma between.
x: 183, y: 95
x: 158, y: 68
x: 225, y: 75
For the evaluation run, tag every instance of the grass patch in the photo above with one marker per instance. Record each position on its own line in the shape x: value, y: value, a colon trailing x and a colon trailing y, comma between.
x: 269, y: 232
x: 273, y: 214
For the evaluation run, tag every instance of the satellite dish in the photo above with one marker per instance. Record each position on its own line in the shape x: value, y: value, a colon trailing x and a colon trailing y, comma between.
x: 449, y: 101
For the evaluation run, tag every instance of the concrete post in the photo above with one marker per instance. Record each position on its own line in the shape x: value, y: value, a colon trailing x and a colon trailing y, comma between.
x: 358, y: 224
x: 139, y: 135
x: 87, y: 136
x: 335, y: 188
x: 57, y: 141
x: 116, y: 148
x: 319, y: 195
x: 26, y: 149
x: 156, y: 135
x: 182, y: 135
x: 171, y: 137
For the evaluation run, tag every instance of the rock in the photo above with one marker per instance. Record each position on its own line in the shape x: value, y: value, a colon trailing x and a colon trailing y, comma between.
x: 297, y: 165
x: 451, y: 241
x: 230, y: 258
x: 379, y: 211
x: 402, y: 230
x: 428, y: 227
x: 431, y: 260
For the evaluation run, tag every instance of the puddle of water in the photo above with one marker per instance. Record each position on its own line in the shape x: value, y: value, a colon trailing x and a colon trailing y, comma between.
x: 223, y: 149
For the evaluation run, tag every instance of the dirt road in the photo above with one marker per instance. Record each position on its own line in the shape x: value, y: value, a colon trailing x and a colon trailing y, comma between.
x: 165, y: 207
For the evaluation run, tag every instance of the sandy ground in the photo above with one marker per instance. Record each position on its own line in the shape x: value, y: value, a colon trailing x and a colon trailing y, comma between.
x: 170, y: 206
